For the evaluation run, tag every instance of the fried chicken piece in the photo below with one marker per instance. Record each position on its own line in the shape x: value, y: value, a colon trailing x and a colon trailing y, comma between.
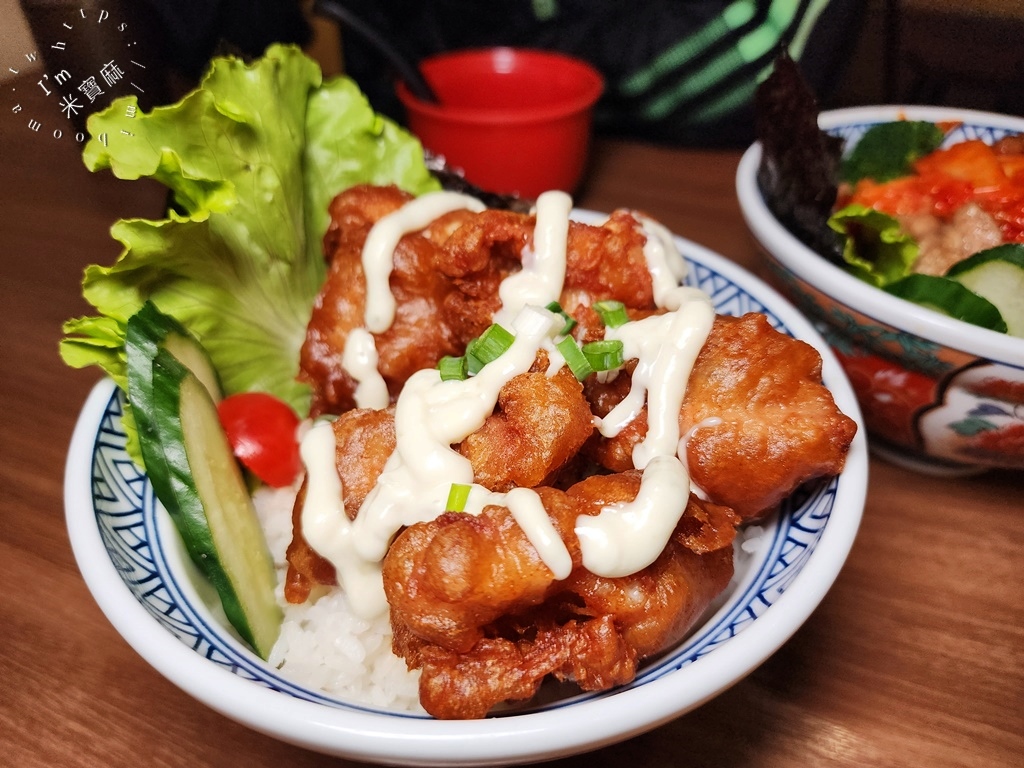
x: 477, y: 255
x: 419, y: 336
x: 473, y: 605
x: 354, y: 212
x: 607, y: 262
x: 445, y: 281
x: 449, y: 578
x: 540, y: 424
x: 467, y: 686
x: 762, y: 421
x: 780, y: 425
x: 364, y: 440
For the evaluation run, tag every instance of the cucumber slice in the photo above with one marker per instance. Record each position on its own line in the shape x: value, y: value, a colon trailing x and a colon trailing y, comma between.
x: 194, y: 473
x: 148, y: 329
x: 998, y: 275
x: 217, y: 520
x: 950, y: 298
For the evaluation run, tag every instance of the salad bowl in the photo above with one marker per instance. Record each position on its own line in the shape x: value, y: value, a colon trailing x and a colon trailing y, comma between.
x: 135, y: 567
x: 939, y: 395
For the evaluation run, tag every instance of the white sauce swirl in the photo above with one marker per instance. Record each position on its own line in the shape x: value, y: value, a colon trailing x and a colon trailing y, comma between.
x: 431, y: 415
x: 540, y: 280
x: 666, y: 266
x: 627, y: 537
x: 324, y: 521
x: 665, y: 347
x: 379, y: 248
x: 360, y: 362
x: 528, y: 511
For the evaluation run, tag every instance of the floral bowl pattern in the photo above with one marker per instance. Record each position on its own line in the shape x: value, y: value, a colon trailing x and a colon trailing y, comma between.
x: 134, y: 565
x: 938, y: 395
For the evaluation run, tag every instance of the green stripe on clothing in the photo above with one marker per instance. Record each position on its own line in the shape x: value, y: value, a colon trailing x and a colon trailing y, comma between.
x: 715, y: 71
x: 733, y: 17
x: 545, y: 10
x: 748, y: 49
x: 730, y: 100
x: 799, y: 41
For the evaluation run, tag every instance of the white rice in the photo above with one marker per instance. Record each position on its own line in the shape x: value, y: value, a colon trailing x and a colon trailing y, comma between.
x: 323, y: 645
x: 326, y: 647
x: 751, y: 539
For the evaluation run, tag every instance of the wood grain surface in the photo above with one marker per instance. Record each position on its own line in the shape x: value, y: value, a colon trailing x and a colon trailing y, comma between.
x: 914, y: 658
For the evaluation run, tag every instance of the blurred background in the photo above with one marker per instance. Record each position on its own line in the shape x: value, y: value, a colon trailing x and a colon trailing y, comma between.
x: 963, y: 54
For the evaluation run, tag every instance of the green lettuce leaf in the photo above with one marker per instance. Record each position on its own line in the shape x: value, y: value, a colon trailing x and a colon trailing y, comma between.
x: 876, y: 249
x: 888, y: 150
x: 252, y: 158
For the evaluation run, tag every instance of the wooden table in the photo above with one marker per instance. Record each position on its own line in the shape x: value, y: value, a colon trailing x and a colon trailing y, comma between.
x: 915, y: 657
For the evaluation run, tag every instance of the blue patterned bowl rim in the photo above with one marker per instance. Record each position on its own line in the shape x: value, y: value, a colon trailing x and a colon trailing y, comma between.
x: 133, y: 565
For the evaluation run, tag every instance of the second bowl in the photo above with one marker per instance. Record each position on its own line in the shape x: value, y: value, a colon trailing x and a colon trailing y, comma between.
x: 938, y: 395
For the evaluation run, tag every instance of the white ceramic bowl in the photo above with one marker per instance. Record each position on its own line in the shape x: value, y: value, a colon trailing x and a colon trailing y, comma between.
x: 133, y: 563
x: 938, y: 395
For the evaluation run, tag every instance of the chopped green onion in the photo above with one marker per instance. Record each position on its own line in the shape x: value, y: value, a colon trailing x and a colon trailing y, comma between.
x: 606, y: 355
x: 457, y: 498
x: 473, y: 364
x: 613, y: 313
x: 569, y: 322
x: 487, y: 347
x: 574, y: 358
x: 452, y: 368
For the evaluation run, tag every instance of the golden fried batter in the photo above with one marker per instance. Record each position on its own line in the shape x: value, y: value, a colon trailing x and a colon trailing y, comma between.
x: 780, y: 426
x: 364, y: 440
x: 539, y: 424
x: 762, y: 421
x: 445, y: 282
x: 419, y: 336
x: 467, y: 686
x: 473, y: 605
x: 607, y: 262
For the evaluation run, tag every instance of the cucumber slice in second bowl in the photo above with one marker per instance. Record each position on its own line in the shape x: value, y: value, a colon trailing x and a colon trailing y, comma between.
x: 997, y: 274
x: 950, y: 298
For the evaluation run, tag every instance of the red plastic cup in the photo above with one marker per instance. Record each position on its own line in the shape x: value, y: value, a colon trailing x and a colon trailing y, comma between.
x: 514, y: 121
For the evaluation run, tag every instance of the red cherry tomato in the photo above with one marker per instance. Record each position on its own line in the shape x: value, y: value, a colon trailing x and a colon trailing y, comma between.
x: 262, y: 432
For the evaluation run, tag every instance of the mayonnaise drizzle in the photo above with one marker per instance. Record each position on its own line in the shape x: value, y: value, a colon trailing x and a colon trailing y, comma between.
x: 360, y: 362
x: 684, y: 443
x: 627, y: 537
x: 324, y: 521
x: 431, y: 415
x: 379, y: 248
x: 540, y: 280
x: 665, y: 347
x: 528, y: 511
x: 666, y: 266
x: 664, y: 262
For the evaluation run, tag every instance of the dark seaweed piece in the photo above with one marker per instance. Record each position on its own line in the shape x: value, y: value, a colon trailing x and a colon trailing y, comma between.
x: 799, y: 171
x: 453, y: 181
